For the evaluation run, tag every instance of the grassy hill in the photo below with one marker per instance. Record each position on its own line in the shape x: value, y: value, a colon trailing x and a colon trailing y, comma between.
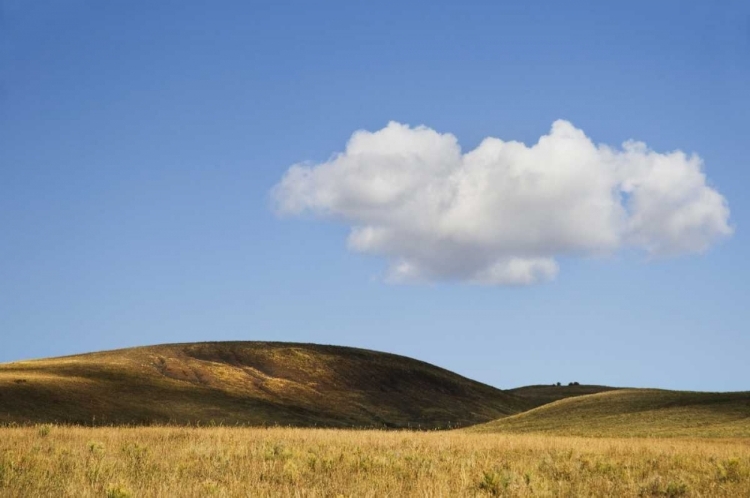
x: 539, y: 395
x: 636, y: 412
x: 255, y: 383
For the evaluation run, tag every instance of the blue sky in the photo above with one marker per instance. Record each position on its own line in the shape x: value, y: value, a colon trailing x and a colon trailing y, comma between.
x: 140, y: 142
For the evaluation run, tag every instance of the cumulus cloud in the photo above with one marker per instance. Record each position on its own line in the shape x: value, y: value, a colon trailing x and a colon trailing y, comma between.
x: 501, y: 213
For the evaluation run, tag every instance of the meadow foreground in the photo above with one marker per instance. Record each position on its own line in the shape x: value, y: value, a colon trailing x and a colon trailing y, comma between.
x: 49, y: 460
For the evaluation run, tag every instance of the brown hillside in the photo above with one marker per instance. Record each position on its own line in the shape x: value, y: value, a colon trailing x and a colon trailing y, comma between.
x: 253, y: 383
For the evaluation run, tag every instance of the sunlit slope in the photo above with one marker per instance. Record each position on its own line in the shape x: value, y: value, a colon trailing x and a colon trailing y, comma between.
x: 539, y: 395
x: 636, y: 412
x: 246, y: 383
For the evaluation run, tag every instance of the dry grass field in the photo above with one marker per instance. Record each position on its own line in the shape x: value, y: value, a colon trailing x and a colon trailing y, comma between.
x: 177, y: 461
x: 186, y: 420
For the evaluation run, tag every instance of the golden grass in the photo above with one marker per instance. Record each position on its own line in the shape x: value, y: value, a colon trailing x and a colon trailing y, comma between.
x: 186, y: 462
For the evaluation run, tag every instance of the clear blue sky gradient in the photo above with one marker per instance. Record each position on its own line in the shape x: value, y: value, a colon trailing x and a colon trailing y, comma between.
x: 139, y: 142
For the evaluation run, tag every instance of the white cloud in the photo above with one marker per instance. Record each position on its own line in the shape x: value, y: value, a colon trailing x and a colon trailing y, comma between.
x: 501, y: 213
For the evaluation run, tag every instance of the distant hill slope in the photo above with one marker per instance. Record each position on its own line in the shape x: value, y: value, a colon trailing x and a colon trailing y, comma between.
x: 636, y: 412
x: 257, y: 383
x: 539, y: 395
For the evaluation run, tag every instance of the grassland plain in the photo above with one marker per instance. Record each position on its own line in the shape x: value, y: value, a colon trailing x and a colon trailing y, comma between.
x: 647, y: 442
x: 190, y: 462
x: 635, y: 412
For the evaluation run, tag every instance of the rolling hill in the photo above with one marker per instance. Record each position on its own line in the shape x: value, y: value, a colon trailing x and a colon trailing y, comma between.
x: 304, y: 385
x: 539, y: 395
x: 635, y: 412
x: 253, y: 383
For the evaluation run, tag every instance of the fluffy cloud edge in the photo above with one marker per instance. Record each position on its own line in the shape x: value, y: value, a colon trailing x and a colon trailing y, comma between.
x: 501, y: 213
